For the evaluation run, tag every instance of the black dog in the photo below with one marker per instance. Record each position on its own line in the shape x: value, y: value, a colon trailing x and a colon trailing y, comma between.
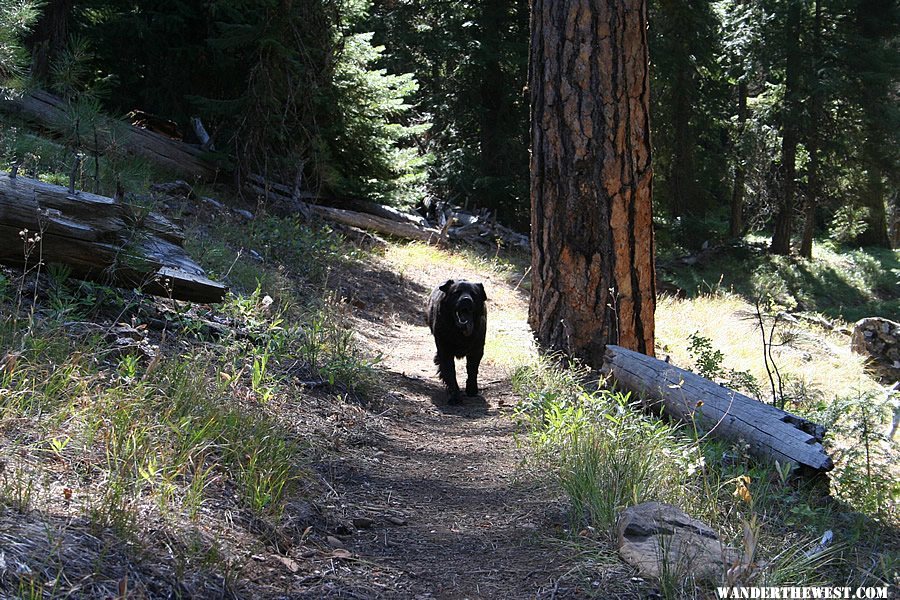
x: 458, y: 319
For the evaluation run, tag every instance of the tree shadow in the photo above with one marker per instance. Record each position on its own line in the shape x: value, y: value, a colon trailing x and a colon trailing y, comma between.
x: 865, y: 285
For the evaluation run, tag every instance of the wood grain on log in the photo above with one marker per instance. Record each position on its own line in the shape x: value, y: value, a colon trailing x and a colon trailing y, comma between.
x: 100, y: 239
x: 771, y: 433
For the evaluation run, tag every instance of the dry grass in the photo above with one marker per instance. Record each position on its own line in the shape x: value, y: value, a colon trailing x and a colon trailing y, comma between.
x: 820, y: 359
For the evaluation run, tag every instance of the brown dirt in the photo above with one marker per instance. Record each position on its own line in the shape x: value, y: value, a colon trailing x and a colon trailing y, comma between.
x: 439, y: 505
x: 410, y: 497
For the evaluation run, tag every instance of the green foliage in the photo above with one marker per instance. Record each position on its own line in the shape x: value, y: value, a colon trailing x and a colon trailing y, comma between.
x: 708, y: 362
x: 331, y: 352
x: 470, y: 59
x: 848, y: 223
x: 370, y: 140
x: 859, y: 479
x: 605, y: 455
x: 16, y: 19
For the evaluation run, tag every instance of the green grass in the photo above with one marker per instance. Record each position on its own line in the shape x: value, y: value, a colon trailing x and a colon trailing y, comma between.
x: 606, y: 455
x: 191, y: 428
x: 841, y: 283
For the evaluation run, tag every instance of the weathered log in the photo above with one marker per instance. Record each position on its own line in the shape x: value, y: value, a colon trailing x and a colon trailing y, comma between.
x: 99, y: 238
x: 772, y: 434
x: 48, y: 111
x: 291, y: 198
x: 381, y: 225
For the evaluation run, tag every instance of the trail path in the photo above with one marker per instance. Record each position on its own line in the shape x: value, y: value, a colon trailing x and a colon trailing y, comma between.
x: 441, y: 506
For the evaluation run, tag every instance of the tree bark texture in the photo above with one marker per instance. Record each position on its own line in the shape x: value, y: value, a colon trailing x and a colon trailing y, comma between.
x: 49, y: 37
x: 592, y: 236
x: 814, y: 179
x: 781, y: 238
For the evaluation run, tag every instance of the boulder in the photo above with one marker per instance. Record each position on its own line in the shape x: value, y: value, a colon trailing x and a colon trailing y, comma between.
x: 658, y: 538
x: 879, y: 339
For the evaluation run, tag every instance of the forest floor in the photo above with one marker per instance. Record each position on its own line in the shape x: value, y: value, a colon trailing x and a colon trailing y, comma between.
x: 443, y: 500
x: 141, y: 456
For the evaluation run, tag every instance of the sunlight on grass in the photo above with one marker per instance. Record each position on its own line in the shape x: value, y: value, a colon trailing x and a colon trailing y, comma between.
x: 821, y: 360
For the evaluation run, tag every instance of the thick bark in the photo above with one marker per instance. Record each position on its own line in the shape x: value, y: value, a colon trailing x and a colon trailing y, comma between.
x: 781, y: 238
x: 592, y: 237
x: 48, y: 110
x: 736, y: 223
x: 771, y: 433
x: 99, y: 238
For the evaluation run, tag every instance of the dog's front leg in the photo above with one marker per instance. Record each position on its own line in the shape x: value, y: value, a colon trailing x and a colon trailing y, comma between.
x: 447, y: 370
x: 472, y: 362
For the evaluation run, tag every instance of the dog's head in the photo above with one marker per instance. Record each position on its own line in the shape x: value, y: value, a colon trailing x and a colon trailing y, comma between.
x: 466, y: 301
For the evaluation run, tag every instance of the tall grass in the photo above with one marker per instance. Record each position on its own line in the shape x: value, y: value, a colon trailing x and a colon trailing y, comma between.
x: 606, y: 454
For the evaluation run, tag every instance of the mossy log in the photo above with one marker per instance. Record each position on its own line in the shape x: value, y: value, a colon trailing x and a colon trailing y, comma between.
x: 99, y: 238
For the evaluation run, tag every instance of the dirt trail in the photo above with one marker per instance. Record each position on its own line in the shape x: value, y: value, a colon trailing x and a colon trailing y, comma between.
x: 441, y: 507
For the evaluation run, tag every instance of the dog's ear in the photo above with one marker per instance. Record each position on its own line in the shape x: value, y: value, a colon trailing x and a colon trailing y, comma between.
x: 445, y: 287
x: 480, y: 288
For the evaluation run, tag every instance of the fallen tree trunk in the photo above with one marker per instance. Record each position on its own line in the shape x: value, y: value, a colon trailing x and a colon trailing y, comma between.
x: 99, y: 238
x: 48, y: 111
x: 772, y: 434
x: 379, y: 224
x: 385, y: 219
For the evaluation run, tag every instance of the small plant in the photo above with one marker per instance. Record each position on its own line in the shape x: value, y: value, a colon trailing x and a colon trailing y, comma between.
x: 861, y: 478
x: 258, y: 376
x: 16, y: 488
x: 331, y: 351
x: 708, y: 361
x: 849, y: 222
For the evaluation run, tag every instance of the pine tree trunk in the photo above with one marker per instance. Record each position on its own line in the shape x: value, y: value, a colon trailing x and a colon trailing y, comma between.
x: 492, y: 92
x: 49, y: 37
x: 736, y: 224
x: 781, y: 239
x: 876, y: 233
x: 684, y: 199
x: 813, y: 142
x: 592, y: 236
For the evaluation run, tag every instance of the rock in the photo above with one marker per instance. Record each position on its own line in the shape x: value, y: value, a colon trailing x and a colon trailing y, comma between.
x: 245, y: 214
x: 174, y: 188
x: 362, y: 522
x: 648, y: 532
x: 878, y: 339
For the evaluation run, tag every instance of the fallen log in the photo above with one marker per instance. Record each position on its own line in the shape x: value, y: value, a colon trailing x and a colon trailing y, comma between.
x: 289, y: 199
x: 772, y: 434
x: 381, y: 225
x: 385, y: 219
x: 100, y: 239
x: 48, y: 111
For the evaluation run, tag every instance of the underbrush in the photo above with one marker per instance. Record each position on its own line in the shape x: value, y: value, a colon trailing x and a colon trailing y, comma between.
x: 607, y: 454
x: 133, y: 414
x: 840, y: 282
